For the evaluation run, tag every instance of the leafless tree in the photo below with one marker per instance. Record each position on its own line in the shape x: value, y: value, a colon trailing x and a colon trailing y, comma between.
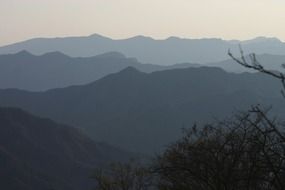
x: 257, y: 66
x: 244, y: 153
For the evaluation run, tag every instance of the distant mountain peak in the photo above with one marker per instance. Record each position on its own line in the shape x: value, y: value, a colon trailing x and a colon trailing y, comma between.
x: 55, y: 54
x: 173, y: 38
x: 131, y: 70
x: 24, y: 53
x: 112, y: 54
x: 262, y: 39
x: 141, y: 37
x: 98, y: 36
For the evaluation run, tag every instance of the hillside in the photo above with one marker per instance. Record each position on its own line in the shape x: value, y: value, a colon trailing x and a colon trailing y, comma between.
x: 144, y: 112
x: 37, y: 153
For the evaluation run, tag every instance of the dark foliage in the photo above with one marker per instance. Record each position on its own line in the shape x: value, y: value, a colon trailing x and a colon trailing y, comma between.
x: 247, y: 152
x: 37, y: 153
x: 124, y: 176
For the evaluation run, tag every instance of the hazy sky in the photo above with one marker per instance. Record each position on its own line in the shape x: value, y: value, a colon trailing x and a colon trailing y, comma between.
x: 228, y: 19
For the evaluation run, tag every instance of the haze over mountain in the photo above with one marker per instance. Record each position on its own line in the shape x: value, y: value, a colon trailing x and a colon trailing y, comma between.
x: 270, y: 62
x: 56, y: 70
x: 147, y: 50
x: 144, y: 112
x: 37, y: 153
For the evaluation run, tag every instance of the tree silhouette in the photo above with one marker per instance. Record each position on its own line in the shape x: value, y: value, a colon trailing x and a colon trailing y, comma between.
x: 257, y: 66
x: 246, y: 152
x: 124, y: 176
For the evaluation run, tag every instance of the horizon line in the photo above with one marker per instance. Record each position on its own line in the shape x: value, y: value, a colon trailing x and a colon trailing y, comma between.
x: 143, y: 36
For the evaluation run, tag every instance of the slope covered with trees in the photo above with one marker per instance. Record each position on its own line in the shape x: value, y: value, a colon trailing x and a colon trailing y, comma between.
x: 144, y: 112
x: 37, y: 153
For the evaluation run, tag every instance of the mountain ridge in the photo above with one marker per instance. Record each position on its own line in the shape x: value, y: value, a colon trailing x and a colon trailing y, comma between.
x: 57, y: 70
x: 148, y: 50
x: 132, y: 109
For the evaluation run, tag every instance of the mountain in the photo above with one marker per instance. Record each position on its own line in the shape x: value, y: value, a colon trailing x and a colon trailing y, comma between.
x: 56, y: 70
x: 26, y: 71
x: 37, y: 153
x: 270, y: 62
x: 147, y: 50
x: 145, y: 112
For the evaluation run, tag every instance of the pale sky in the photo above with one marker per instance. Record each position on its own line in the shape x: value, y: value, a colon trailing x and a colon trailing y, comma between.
x: 227, y: 19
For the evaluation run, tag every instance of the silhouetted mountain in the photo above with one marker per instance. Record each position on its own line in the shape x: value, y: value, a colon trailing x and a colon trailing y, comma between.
x: 163, y: 52
x: 144, y: 112
x: 39, y: 154
x: 270, y: 62
x: 53, y: 70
